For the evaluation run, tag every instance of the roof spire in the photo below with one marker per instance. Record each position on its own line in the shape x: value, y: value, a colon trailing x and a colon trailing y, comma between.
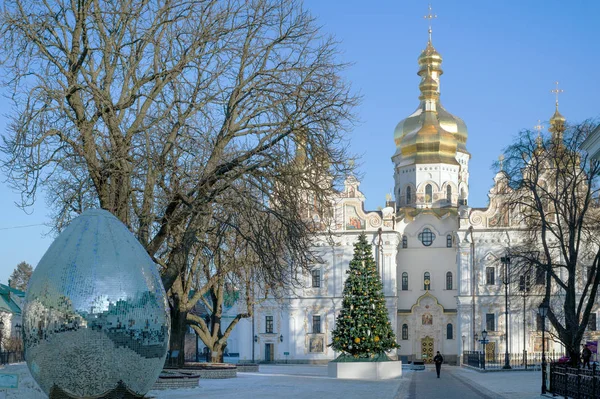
x: 429, y: 17
x: 557, y: 122
x: 538, y: 139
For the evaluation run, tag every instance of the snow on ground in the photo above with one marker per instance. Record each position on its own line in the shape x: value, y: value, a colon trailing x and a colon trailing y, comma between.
x: 289, y: 382
x: 273, y: 381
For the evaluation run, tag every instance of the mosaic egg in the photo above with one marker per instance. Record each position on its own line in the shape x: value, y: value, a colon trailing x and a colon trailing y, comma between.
x: 95, y: 316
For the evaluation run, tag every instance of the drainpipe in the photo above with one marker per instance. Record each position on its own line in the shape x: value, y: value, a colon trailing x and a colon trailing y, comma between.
x: 472, y: 286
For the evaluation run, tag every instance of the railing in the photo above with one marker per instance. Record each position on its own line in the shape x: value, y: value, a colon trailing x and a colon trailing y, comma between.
x: 517, y: 361
x: 574, y: 382
x: 11, y: 357
x: 474, y: 359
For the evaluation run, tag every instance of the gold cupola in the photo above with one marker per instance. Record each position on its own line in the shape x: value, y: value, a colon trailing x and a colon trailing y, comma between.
x: 557, y: 121
x: 431, y: 134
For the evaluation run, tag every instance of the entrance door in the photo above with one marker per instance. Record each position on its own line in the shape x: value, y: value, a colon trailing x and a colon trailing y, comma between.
x: 427, y: 349
x: 269, y: 353
x: 490, y: 352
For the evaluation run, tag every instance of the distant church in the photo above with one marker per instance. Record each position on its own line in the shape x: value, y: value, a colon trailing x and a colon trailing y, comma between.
x: 439, y: 259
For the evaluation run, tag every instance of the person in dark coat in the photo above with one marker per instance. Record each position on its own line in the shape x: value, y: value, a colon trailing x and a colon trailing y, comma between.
x: 586, y: 354
x: 438, y: 360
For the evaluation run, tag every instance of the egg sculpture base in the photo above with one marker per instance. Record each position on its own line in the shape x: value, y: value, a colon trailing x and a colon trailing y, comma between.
x: 120, y: 392
x: 95, y: 319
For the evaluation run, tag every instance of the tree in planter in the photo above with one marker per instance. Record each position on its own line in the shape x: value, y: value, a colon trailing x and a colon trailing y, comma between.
x: 363, y: 329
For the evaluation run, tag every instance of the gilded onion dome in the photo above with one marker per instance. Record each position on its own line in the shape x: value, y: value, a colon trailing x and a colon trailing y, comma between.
x: 431, y: 134
x: 557, y: 123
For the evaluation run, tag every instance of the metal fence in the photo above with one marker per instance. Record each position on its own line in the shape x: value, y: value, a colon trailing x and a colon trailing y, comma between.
x: 11, y: 357
x: 574, y: 382
x: 518, y: 361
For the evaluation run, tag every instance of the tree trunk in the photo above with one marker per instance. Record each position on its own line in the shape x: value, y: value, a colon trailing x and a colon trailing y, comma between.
x: 574, y: 355
x: 178, y: 329
x: 216, y: 354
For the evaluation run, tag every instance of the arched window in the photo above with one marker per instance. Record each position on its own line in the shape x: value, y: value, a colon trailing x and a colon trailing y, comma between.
x: 408, y: 195
x: 404, y: 281
x: 449, y: 240
x: 428, y: 193
x: 426, y: 281
x: 449, y: 280
x: 404, y: 332
x: 449, y: 193
x: 449, y: 331
x: 404, y: 241
x: 463, y: 197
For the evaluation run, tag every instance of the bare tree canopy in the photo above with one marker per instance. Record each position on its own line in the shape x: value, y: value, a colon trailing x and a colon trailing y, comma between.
x: 150, y: 109
x: 19, y: 278
x: 154, y: 110
x: 552, y: 190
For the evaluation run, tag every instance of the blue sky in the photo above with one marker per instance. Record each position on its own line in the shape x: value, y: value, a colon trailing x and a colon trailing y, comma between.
x: 501, y: 59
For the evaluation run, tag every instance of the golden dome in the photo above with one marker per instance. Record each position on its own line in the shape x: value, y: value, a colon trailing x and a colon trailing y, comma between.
x: 431, y: 134
x: 557, y: 124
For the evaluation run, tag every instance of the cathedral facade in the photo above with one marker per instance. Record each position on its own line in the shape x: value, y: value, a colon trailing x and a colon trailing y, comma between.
x: 441, y: 261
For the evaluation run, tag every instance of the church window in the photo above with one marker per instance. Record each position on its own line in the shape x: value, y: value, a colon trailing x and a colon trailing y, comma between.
x: 428, y: 193
x: 316, y: 324
x: 316, y: 278
x: 426, y: 237
x: 538, y: 322
x: 524, y: 283
x: 449, y: 331
x: 404, y: 241
x: 404, y: 281
x: 449, y: 241
x: 408, y: 195
x: 449, y: 280
x: 463, y: 197
x: 405, y: 331
x: 426, y: 281
x: 490, y: 278
x: 269, y: 324
x: 490, y: 322
x: 449, y: 193
x: 540, y: 276
x: 592, y: 322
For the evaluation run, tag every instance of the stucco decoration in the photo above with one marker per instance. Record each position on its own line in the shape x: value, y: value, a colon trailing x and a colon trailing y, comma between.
x: 95, y: 316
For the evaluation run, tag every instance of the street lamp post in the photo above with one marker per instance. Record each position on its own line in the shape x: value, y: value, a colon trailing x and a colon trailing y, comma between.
x: 524, y: 288
x: 543, y: 311
x: 484, y: 342
x: 506, y: 262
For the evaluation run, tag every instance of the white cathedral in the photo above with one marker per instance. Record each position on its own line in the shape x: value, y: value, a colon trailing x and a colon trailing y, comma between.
x: 439, y: 259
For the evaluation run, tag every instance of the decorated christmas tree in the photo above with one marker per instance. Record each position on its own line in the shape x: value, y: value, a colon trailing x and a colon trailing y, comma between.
x: 363, y: 330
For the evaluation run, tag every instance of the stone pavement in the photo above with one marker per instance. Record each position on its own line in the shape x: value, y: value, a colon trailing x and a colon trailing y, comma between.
x: 462, y: 383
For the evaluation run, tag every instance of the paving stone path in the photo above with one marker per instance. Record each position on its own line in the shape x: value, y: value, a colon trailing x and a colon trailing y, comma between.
x: 450, y: 385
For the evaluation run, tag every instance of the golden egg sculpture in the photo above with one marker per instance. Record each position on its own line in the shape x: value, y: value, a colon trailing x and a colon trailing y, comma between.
x: 95, y: 318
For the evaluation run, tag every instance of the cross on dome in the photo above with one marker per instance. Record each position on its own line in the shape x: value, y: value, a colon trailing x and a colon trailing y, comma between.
x: 557, y: 91
x: 429, y: 17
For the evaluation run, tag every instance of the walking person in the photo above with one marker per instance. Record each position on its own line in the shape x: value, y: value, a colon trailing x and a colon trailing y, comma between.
x: 586, y: 355
x: 438, y: 360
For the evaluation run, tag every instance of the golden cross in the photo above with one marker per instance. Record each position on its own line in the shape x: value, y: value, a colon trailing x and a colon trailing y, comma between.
x: 429, y: 17
x: 557, y: 91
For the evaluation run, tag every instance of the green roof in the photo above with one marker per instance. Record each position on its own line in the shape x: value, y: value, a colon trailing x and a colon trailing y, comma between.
x: 7, y: 303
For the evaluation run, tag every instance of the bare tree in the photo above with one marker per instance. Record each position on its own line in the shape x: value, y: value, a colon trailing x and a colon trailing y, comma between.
x: 19, y: 278
x: 154, y: 109
x: 552, y: 192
